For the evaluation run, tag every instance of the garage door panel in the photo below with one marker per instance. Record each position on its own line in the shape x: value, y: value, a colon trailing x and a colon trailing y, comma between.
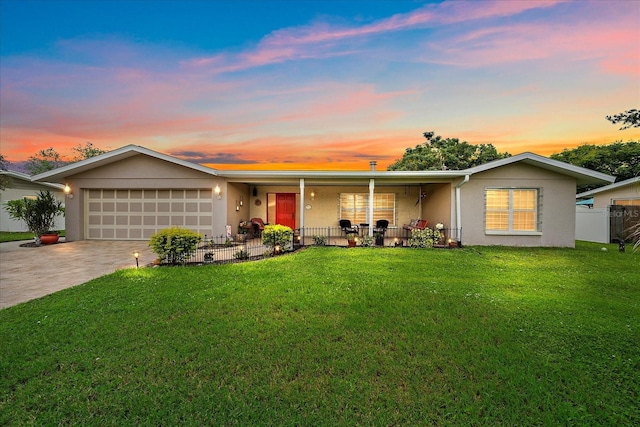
x: 138, y: 214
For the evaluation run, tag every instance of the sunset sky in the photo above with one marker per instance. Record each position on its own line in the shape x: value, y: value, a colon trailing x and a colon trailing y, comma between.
x: 314, y: 84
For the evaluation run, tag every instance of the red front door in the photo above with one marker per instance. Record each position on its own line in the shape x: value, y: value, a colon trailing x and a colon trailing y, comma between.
x: 286, y: 209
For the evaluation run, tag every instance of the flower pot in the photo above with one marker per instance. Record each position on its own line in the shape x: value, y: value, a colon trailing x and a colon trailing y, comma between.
x: 352, y: 243
x: 49, y: 239
x: 379, y: 240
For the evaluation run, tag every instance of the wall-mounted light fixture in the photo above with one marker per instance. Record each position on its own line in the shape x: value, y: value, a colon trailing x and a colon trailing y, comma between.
x: 218, y: 192
x: 313, y: 195
x: 237, y: 206
x: 241, y: 201
x: 67, y: 191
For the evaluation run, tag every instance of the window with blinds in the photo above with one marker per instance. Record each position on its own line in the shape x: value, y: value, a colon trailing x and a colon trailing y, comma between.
x: 511, y: 209
x: 355, y: 207
x: 627, y: 202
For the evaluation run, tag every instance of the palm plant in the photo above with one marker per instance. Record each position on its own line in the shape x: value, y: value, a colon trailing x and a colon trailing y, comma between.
x: 635, y: 235
x: 39, y: 214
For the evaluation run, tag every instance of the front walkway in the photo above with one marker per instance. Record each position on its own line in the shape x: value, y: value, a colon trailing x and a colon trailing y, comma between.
x: 29, y: 273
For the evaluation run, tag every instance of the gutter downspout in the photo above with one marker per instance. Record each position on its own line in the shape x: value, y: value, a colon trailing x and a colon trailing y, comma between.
x: 458, y: 210
x: 301, y: 222
x: 371, y: 187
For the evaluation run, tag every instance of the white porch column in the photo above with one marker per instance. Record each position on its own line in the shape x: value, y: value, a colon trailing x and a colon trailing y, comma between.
x: 372, y: 185
x: 458, y: 207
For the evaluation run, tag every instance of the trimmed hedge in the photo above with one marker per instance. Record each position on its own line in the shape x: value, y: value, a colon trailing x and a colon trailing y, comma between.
x: 175, y: 245
x: 279, y: 237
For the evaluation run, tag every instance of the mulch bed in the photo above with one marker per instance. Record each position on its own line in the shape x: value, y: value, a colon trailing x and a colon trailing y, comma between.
x: 35, y: 245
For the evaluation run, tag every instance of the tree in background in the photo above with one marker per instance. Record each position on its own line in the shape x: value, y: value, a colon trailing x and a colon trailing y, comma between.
x: 89, y: 150
x: 49, y: 159
x: 620, y: 159
x: 629, y: 119
x: 5, y: 181
x: 439, y: 153
x: 43, y: 161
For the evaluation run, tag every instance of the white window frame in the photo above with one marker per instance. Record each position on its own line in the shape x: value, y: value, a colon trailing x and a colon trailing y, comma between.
x: 511, y: 231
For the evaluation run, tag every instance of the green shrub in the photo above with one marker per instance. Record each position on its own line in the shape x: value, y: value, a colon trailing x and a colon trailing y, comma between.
x: 320, y: 240
x: 174, y: 245
x: 241, y: 254
x: 366, y: 241
x: 424, y: 238
x: 279, y: 237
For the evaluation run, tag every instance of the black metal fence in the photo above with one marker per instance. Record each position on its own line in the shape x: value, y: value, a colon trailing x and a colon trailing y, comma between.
x: 334, y: 236
x: 223, y: 249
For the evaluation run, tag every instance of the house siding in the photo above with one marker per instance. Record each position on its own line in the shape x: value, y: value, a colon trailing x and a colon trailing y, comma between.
x: 556, y: 209
x: 605, y: 198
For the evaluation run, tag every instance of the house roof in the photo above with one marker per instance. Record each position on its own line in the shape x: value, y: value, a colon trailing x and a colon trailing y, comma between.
x: 25, y: 177
x: 127, y: 151
x: 581, y: 175
x: 624, y: 183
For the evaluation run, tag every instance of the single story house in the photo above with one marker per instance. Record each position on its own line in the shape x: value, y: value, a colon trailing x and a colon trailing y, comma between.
x: 132, y: 192
x: 21, y: 186
x: 612, y: 211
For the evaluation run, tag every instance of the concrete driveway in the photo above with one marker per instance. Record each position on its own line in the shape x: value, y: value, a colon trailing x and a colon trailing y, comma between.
x: 66, y: 265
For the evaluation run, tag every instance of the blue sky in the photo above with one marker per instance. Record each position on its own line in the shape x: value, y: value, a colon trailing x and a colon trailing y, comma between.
x: 314, y: 84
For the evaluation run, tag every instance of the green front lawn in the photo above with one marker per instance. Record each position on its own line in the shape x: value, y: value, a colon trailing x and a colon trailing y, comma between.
x: 336, y: 336
x: 14, y: 236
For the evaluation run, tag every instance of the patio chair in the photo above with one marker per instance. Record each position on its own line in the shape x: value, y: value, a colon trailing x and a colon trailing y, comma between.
x: 379, y: 230
x: 258, y: 226
x: 347, y: 228
x: 381, y: 226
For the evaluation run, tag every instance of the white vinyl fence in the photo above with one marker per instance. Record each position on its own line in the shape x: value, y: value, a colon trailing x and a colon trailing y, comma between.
x: 592, y: 225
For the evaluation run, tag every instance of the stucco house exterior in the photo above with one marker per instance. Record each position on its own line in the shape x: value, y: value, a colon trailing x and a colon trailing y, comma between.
x: 22, y: 186
x: 132, y: 192
x: 614, y: 209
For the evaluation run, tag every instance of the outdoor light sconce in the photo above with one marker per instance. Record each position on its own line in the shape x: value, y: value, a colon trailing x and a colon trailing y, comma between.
x: 218, y: 192
x: 237, y: 206
x: 313, y: 195
x: 67, y: 191
x: 241, y: 201
x: 136, y: 255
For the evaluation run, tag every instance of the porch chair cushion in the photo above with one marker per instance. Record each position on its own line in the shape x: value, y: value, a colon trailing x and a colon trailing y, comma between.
x: 258, y: 226
x: 346, y: 226
x: 381, y: 226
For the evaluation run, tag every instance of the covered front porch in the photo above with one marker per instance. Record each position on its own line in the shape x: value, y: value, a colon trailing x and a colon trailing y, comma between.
x: 315, y: 204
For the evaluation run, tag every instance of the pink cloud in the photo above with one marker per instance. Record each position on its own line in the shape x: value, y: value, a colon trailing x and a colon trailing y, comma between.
x: 322, y: 40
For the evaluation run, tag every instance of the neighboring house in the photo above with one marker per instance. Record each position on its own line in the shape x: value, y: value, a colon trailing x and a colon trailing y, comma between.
x: 132, y: 192
x: 613, y: 210
x: 22, y: 186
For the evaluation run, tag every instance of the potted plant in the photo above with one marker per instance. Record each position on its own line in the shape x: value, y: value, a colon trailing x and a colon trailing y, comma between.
x: 39, y: 214
x: 351, y: 240
x: 242, y: 231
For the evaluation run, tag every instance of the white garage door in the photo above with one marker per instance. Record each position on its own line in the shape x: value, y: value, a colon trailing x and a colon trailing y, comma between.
x: 137, y: 214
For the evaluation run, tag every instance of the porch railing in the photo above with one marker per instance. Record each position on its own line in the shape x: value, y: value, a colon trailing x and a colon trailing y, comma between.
x: 221, y: 249
x: 395, y: 236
